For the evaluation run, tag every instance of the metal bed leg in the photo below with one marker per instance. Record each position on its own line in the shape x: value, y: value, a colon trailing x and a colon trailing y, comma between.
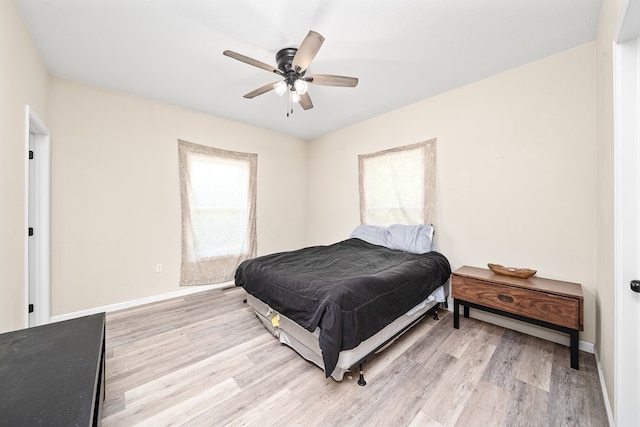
x: 435, y: 312
x: 361, y: 380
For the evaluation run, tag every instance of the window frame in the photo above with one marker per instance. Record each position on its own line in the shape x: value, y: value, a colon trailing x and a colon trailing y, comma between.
x: 205, y: 270
x: 427, y: 152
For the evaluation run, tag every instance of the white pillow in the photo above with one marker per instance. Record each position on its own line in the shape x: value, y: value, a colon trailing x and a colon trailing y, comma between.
x: 410, y: 238
x: 372, y: 234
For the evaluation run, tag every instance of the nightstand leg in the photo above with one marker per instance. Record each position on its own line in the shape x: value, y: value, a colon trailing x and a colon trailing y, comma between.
x: 466, y: 311
x: 456, y: 314
x: 574, y: 348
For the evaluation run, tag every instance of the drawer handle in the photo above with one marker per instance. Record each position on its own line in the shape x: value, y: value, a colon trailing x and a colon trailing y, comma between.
x: 505, y: 298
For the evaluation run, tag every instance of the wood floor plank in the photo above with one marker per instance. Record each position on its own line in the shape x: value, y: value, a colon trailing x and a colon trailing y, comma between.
x: 175, y: 337
x: 527, y: 406
x: 535, y: 363
x: 389, y: 354
x: 275, y: 410
x: 582, y: 401
x: 206, y: 360
x: 486, y: 406
x: 188, y: 380
x: 246, y: 400
x: 422, y: 420
x: 447, y: 404
x: 501, y: 368
x: 459, y: 340
x: 425, y: 349
x: 184, y: 412
x: 116, y: 387
x: 417, y: 382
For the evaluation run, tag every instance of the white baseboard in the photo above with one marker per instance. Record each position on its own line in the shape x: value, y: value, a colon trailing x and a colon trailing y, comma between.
x: 603, y: 386
x: 134, y: 303
x: 587, y: 346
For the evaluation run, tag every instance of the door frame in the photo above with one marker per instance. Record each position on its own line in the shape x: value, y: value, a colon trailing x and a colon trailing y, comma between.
x: 42, y: 220
x: 626, y: 214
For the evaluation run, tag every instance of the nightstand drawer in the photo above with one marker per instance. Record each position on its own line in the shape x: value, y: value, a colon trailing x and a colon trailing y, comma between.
x: 555, y: 309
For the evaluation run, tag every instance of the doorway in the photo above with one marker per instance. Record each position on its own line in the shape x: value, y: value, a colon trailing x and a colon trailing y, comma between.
x: 37, y: 275
x: 627, y: 217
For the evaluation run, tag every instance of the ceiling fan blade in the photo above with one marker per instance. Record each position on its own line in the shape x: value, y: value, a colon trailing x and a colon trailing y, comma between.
x: 263, y: 89
x: 330, y: 80
x: 305, y: 101
x: 251, y: 61
x: 307, y: 50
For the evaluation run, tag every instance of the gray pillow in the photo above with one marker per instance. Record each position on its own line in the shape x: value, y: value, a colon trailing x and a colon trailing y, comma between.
x: 410, y: 238
x: 372, y: 233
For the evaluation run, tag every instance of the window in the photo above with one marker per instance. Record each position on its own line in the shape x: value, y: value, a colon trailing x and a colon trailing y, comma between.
x: 397, y: 186
x: 218, y: 197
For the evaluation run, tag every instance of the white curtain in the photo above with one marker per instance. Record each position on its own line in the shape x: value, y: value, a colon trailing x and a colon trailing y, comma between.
x: 397, y: 186
x: 218, y: 199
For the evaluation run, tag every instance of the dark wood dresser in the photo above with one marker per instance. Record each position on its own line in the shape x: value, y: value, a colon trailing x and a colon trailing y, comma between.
x: 544, y: 302
x: 53, y: 375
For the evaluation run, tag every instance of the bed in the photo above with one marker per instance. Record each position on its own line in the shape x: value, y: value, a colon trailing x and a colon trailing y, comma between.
x: 338, y: 304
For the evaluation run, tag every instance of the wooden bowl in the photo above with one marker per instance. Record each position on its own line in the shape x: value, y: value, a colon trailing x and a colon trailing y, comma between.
x: 522, y: 273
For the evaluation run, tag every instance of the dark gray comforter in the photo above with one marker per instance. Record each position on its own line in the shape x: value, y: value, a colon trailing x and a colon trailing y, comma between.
x: 350, y: 290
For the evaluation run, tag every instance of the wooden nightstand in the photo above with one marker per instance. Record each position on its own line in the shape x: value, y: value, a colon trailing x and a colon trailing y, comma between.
x: 544, y: 302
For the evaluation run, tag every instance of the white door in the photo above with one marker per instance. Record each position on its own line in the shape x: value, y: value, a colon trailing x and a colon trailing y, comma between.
x: 627, y: 219
x: 37, y: 217
x: 32, y: 213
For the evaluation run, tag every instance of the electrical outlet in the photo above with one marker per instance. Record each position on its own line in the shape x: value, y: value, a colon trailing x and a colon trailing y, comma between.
x: 159, y: 268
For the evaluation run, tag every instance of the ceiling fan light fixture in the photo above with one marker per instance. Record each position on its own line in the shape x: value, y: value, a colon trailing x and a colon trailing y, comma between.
x: 280, y: 88
x: 300, y: 86
x: 295, y: 97
x: 293, y: 66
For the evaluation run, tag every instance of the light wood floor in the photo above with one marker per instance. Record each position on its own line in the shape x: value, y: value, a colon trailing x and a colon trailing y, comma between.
x: 206, y: 360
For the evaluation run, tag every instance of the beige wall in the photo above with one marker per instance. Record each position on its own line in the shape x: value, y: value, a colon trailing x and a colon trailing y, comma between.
x: 116, y: 200
x: 604, y: 226
x: 516, y: 181
x: 23, y: 80
x: 525, y: 178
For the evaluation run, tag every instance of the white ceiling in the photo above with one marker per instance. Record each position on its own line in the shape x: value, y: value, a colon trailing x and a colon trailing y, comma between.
x: 402, y: 51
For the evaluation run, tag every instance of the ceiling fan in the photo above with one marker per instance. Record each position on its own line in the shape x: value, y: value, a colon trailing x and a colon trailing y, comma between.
x: 292, y: 67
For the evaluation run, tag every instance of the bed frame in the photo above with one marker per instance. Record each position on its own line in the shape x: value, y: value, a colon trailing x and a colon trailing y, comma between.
x: 306, y: 343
